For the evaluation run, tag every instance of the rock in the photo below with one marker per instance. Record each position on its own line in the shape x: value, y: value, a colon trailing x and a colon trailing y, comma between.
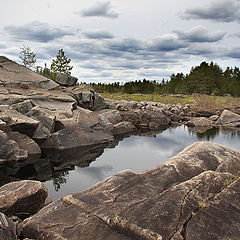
x: 47, y: 121
x: 7, y: 228
x: 229, y: 119
x: 142, y: 118
x: 26, y: 143
x: 214, y: 118
x: 66, y: 80
x: 87, y: 97
x: 177, y: 199
x: 23, y: 107
x: 9, y: 149
x: 22, y: 198
x: 18, y: 122
x: 113, y: 116
x: 123, y: 128
x: 84, y: 129
x: 200, y: 122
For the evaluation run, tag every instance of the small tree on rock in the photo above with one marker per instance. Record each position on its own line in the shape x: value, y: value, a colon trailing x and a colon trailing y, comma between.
x: 61, y: 63
x: 27, y: 57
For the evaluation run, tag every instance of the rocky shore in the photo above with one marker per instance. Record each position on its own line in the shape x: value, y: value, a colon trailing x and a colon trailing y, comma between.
x: 42, y: 120
x: 195, y: 195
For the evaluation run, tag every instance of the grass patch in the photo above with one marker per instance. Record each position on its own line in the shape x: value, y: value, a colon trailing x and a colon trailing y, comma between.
x: 197, y: 101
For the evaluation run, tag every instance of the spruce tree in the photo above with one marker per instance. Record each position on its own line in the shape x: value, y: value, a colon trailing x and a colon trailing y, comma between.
x: 61, y: 63
x: 27, y: 57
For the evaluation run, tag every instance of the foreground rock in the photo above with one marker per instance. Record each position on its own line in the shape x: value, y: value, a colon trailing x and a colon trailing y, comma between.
x: 22, y: 198
x: 184, y: 198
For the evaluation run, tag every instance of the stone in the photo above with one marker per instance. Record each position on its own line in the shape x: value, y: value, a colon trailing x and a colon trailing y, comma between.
x: 200, y: 122
x: 113, y: 116
x: 83, y: 129
x: 87, y: 98
x: 66, y: 80
x: 9, y: 149
x: 26, y: 143
x: 229, y: 119
x: 123, y: 128
x: 142, y: 118
x: 17, y: 121
x: 214, y: 118
x: 183, y: 197
x: 23, y: 107
x: 7, y: 228
x: 22, y: 198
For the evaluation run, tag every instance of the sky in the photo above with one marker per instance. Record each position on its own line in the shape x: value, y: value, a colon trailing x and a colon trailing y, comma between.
x: 124, y: 40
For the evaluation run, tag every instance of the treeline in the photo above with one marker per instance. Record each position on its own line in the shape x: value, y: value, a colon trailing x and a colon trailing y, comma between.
x: 204, y: 79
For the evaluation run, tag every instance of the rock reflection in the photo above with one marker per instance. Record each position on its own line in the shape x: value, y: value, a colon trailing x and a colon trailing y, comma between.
x: 53, y: 165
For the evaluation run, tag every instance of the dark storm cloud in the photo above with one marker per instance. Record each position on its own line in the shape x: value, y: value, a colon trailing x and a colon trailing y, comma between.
x: 103, y: 9
x: 200, y: 34
x: 223, y: 11
x: 166, y: 43
x: 98, y: 35
x: 36, y: 31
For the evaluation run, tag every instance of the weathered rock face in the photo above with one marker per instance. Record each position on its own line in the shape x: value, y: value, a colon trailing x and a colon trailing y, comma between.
x: 7, y: 228
x: 84, y: 129
x: 22, y: 198
x: 87, y: 98
x: 200, y: 122
x: 66, y: 80
x: 142, y: 119
x: 123, y: 128
x: 229, y: 119
x: 16, y: 121
x: 9, y: 149
x: 26, y: 143
x: 177, y: 200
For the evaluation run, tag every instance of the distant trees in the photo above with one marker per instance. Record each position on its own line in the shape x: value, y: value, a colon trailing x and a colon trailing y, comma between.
x: 27, y: 56
x: 205, y: 79
x: 61, y: 63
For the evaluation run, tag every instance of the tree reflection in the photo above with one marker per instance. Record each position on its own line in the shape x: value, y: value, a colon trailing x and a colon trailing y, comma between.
x: 59, y: 179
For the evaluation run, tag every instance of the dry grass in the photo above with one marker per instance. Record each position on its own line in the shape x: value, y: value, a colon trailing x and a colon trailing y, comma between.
x: 197, y: 101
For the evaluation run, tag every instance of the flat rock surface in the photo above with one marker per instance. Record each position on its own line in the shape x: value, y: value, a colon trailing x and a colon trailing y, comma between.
x: 175, y: 200
x: 22, y: 198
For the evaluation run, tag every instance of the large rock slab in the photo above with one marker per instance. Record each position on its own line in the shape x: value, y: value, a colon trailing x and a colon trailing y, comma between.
x: 175, y: 200
x: 228, y: 119
x: 7, y: 228
x: 22, y: 198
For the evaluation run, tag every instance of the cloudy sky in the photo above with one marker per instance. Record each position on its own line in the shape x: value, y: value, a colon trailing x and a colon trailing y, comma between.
x: 123, y: 40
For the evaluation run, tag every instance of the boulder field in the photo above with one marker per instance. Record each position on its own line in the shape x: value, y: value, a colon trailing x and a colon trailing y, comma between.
x: 195, y: 195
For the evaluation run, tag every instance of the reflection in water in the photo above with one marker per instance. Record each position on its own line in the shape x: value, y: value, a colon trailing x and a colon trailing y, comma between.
x: 77, y: 169
x: 60, y: 179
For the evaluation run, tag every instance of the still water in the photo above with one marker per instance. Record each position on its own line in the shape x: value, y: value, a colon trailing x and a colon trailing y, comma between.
x: 136, y: 153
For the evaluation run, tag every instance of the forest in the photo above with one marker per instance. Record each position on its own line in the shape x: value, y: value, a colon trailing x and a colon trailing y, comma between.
x: 208, y: 78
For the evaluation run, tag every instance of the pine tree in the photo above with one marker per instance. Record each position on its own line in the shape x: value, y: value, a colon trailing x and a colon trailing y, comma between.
x: 61, y: 63
x: 27, y: 56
